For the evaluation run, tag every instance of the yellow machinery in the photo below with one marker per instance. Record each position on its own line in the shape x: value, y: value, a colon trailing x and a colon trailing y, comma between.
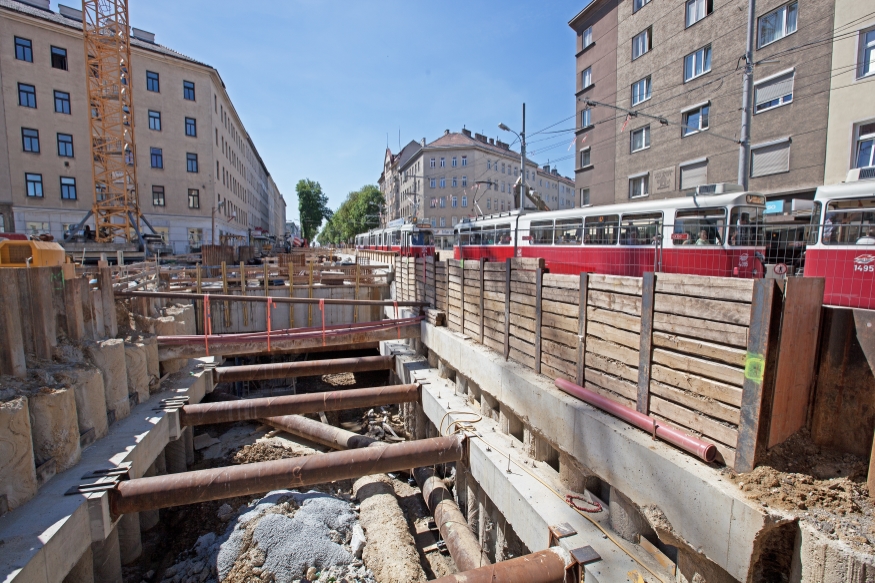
x: 31, y: 254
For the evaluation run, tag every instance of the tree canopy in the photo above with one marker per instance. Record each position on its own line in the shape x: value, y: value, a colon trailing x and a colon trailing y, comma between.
x: 313, y: 206
x: 358, y: 213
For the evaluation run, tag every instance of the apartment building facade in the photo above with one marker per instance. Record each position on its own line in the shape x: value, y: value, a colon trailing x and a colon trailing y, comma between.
x: 850, y: 142
x: 192, y: 151
x: 671, y: 97
x: 462, y: 174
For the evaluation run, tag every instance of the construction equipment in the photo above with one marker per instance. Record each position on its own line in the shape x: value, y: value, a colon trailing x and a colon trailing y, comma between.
x: 18, y: 253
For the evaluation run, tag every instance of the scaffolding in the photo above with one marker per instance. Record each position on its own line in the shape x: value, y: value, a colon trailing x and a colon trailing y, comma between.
x: 116, y: 207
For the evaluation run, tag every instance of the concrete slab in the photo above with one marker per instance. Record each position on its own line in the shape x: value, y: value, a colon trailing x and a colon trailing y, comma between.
x: 44, y: 538
x: 699, y: 504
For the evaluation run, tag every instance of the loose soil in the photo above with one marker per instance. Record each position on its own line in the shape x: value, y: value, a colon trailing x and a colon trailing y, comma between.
x: 823, y: 487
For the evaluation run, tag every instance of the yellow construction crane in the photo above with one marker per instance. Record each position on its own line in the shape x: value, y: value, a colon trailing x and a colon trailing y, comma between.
x: 116, y: 209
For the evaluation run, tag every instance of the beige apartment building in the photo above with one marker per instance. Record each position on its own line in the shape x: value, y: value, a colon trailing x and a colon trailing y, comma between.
x: 850, y: 141
x: 465, y: 175
x: 193, y: 153
x: 675, y: 67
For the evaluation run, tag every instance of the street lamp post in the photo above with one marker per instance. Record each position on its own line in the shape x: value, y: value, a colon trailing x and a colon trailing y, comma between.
x: 215, y: 208
x: 522, y: 138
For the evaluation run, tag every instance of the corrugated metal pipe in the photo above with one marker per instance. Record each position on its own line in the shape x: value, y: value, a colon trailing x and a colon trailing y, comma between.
x: 247, y: 409
x: 461, y: 542
x: 287, y: 370
x: 244, y: 480
x: 688, y: 443
x: 547, y: 566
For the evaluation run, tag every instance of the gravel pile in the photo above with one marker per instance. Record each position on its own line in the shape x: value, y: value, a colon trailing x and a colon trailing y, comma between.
x: 286, y: 537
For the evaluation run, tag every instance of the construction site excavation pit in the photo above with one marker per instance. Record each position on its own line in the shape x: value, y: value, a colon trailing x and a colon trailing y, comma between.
x: 373, y: 529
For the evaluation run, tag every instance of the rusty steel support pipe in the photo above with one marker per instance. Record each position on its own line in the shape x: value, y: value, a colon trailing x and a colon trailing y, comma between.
x: 461, y: 542
x: 244, y: 480
x: 306, y: 368
x: 546, y: 566
x: 248, y: 409
x: 322, y: 433
x: 262, y: 299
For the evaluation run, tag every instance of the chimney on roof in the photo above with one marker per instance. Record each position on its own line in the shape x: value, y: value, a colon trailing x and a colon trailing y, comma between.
x: 547, y: 168
x: 70, y: 12
x: 466, y: 132
x: 501, y: 144
x: 42, y: 4
x: 481, y: 138
x: 446, y: 132
x: 491, y: 141
x: 143, y: 35
x: 422, y: 143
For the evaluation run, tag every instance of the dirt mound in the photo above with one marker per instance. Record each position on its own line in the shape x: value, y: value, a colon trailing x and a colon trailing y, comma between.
x: 262, y: 452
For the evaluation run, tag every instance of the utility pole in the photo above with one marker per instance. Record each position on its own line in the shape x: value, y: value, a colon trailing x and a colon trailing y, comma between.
x: 523, y: 163
x: 747, y: 100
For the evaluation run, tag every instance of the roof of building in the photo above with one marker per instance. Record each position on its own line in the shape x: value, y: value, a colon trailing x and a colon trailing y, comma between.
x: 408, y: 152
x: 48, y: 15
x: 586, y: 11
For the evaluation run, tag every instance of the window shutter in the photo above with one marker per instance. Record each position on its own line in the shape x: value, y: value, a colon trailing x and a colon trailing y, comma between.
x: 770, y: 159
x: 774, y: 89
x: 694, y: 175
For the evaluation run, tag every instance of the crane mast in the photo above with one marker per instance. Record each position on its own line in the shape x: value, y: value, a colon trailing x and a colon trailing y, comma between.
x: 107, y: 32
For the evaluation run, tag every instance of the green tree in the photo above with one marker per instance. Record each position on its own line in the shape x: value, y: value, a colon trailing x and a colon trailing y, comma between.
x: 358, y: 213
x: 313, y: 206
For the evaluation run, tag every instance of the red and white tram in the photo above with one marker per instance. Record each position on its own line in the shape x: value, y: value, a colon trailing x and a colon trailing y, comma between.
x: 407, y: 239
x: 717, y: 231
x: 844, y: 251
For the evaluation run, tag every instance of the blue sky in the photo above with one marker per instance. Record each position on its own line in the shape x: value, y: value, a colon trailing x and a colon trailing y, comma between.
x: 320, y: 84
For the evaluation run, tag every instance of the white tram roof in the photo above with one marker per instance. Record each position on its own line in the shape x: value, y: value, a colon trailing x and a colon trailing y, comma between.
x: 845, y: 190
x: 685, y: 202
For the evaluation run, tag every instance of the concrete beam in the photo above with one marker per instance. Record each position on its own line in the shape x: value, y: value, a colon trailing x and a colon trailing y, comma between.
x: 699, y: 504
x: 44, y: 538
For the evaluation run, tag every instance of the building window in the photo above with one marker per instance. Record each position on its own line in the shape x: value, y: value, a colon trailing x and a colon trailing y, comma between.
x: 26, y: 95
x: 62, y: 102
x: 584, y: 197
x: 585, y: 158
x: 502, y: 187
x: 442, y: 202
x: 865, y: 150
x: 30, y: 140
x: 34, y: 184
x: 443, y: 182
x: 23, y: 49
x: 455, y: 202
x: 587, y: 37
x: 65, y: 145
x: 464, y: 202
x: 696, y: 120
x: 697, y: 64
x: 157, y: 195
x: 639, y: 4
x: 191, y: 162
x: 454, y: 182
x: 489, y: 204
x: 777, y: 24
x: 642, y: 43
x: 697, y: 10
x: 641, y: 90
x: 771, y: 158
x: 639, y: 186
x: 502, y: 168
x: 194, y: 198
x: 867, y: 52
x: 489, y: 164
x: 188, y: 90
x: 157, y: 157
x: 191, y: 127
x: 152, y: 82
x: 464, y: 160
x: 454, y: 161
x: 586, y: 78
x: 433, y: 222
x: 443, y: 221
x: 585, y: 118
x: 640, y: 139
x: 693, y: 174
x: 432, y: 183
x: 464, y: 180
x: 68, y: 188
x: 59, y: 58
x: 443, y: 163
x: 431, y: 162
x: 155, y: 120
x: 773, y: 92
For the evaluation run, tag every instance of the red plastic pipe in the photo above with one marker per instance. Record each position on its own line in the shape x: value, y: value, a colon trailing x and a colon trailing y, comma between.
x: 688, y: 443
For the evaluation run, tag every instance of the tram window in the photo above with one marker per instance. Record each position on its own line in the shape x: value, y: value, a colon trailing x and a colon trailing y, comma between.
x: 465, y: 237
x: 396, y: 238
x: 641, y: 229
x: 813, y: 228
x: 601, y: 230
x: 699, y: 227
x: 569, y: 231
x: 746, y: 226
x: 502, y: 235
x: 542, y: 232
x: 475, y: 236
x: 488, y: 235
x: 850, y: 222
x: 456, y: 238
x: 421, y: 238
x: 428, y: 238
